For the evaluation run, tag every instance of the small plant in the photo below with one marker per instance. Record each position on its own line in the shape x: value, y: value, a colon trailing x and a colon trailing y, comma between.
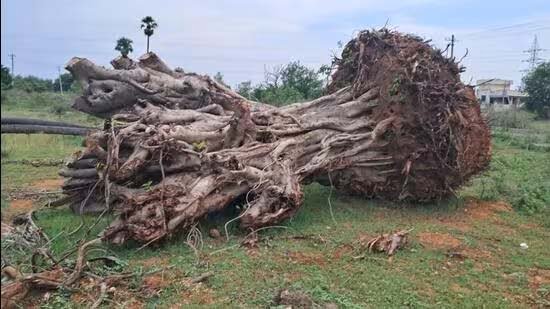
x: 395, y: 85
x: 147, y: 185
x: 199, y: 146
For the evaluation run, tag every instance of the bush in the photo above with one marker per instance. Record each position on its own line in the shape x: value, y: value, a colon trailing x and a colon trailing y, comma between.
x: 522, y: 179
x: 516, y: 119
x: 287, y: 84
x: 32, y: 84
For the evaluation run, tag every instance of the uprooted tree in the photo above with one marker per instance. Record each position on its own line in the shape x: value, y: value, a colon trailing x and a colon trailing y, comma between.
x: 396, y: 123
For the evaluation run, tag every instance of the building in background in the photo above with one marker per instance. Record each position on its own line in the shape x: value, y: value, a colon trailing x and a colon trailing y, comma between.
x: 498, y: 93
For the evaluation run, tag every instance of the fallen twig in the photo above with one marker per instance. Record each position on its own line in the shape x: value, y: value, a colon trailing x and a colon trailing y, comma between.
x: 388, y: 243
x: 202, y: 277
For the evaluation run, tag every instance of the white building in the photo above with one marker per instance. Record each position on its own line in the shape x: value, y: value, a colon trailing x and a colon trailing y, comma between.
x: 497, y: 93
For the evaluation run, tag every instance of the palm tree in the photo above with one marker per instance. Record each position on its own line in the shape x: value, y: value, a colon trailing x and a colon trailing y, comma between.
x: 124, y: 46
x: 148, y: 24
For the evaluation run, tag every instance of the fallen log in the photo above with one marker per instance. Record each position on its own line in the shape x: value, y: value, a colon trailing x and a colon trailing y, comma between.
x: 45, y: 129
x: 30, y: 121
x: 397, y: 123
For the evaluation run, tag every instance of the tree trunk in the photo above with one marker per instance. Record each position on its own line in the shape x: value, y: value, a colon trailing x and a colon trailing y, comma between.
x: 396, y: 124
x: 28, y: 129
x: 17, y: 120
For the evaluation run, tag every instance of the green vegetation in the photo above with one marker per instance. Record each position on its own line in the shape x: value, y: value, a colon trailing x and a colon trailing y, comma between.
x: 287, y: 84
x: 537, y: 85
x: 33, y: 84
x: 124, y: 46
x: 43, y: 105
x: 322, y: 255
x: 5, y: 77
x: 67, y: 82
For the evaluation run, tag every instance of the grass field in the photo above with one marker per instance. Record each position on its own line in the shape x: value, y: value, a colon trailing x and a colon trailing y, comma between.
x: 324, y: 256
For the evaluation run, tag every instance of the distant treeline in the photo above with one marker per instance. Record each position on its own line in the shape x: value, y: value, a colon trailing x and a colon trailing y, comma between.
x: 282, y: 85
x: 35, y: 84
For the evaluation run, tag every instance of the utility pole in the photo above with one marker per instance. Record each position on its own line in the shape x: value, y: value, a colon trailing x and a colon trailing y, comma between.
x: 533, y: 52
x: 12, y: 56
x: 60, y: 83
x: 453, y: 41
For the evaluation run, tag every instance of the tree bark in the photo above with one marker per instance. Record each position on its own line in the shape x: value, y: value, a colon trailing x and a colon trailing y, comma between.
x: 396, y: 124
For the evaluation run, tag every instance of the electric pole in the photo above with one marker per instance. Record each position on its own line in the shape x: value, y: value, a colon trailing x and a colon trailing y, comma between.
x: 60, y: 83
x: 533, y: 52
x: 12, y: 56
x: 453, y: 41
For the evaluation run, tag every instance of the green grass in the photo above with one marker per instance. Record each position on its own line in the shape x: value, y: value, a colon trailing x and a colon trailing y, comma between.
x: 45, y: 105
x: 496, y: 273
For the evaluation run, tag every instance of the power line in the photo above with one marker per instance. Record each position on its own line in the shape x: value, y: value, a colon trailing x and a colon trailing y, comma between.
x: 522, y: 27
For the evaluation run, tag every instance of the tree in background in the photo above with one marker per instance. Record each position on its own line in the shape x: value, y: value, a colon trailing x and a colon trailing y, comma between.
x: 245, y: 89
x: 66, y: 81
x: 291, y: 83
x: 32, y: 83
x: 6, y: 77
x: 219, y: 78
x: 148, y: 24
x: 303, y: 79
x: 124, y: 46
x: 324, y: 72
x: 537, y: 85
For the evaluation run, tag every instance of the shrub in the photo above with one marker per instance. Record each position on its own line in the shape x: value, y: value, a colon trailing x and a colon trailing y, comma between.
x: 59, y: 109
x: 517, y: 119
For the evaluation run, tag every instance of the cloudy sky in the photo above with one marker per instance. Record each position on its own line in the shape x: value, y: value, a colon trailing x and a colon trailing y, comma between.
x: 243, y: 38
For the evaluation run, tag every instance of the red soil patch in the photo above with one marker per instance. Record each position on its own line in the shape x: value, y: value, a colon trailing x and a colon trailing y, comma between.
x: 16, y: 207
x: 538, y: 277
x: 307, y: 258
x: 439, y: 240
x: 478, y: 210
x: 48, y: 184
x: 153, y: 284
x: 475, y: 210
